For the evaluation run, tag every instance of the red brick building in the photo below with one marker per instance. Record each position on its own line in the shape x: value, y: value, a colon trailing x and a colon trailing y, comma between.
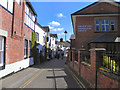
x: 16, y: 26
x: 96, y: 44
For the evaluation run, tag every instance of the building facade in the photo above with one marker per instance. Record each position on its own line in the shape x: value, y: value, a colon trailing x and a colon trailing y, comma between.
x: 53, y: 44
x: 16, y: 26
x: 95, y: 45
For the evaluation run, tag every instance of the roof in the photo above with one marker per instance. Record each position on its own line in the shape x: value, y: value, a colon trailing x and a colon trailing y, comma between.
x: 72, y: 36
x: 53, y: 35
x: 41, y: 26
x: 31, y: 7
x: 109, y: 1
x: 64, y: 43
x: 82, y: 13
x: 105, y: 38
x: 46, y: 28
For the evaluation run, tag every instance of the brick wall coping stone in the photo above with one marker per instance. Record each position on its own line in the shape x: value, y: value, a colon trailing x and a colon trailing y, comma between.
x: 82, y: 49
x: 97, y: 49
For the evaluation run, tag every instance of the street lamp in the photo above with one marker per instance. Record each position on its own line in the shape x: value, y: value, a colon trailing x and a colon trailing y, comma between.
x: 65, y: 34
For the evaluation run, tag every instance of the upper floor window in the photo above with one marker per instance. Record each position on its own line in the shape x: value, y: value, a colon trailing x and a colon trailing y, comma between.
x: 105, y: 25
x: 29, y: 17
x: 7, y: 4
x: 37, y: 37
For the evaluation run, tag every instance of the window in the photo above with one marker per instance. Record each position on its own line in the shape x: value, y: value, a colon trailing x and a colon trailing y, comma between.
x: 105, y: 25
x: 1, y: 51
x: 29, y: 17
x: 37, y: 37
x: 30, y: 46
x: 25, y: 48
x: 112, y: 22
x: 43, y: 39
x: 8, y: 4
x: 97, y: 25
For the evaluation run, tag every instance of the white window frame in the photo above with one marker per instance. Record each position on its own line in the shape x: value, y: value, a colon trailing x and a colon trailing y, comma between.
x: 25, y: 48
x: 105, y: 25
x: 2, y: 51
x: 8, y: 4
x: 30, y: 47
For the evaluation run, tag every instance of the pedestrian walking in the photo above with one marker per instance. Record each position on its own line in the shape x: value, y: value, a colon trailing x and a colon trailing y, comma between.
x: 62, y: 54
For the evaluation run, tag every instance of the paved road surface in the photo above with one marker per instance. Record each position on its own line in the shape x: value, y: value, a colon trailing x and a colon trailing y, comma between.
x: 52, y: 74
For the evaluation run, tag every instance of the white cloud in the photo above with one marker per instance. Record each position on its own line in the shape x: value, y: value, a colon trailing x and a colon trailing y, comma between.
x: 60, y: 15
x: 54, y: 30
x: 61, y: 34
x: 51, y: 27
x: 57, y: 29
x: 60, y: 29
x: 54, y: 23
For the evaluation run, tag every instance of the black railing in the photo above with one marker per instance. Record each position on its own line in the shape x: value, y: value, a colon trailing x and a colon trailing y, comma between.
x: 71, y: 55
x: 76, y: 55
x: 85, y: 56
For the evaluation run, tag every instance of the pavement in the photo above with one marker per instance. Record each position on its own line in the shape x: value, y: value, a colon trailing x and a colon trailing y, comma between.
x: 52, y: 74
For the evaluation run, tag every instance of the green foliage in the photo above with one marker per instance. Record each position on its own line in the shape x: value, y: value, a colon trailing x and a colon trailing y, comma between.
x: 34, y: 38
x: 45, y: 47
x: 34, y: 51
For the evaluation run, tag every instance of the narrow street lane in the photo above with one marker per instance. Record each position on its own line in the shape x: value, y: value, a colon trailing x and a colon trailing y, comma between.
x: 51, y: 74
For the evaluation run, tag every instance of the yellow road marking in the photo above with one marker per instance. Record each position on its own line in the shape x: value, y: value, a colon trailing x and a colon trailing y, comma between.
x: 30, y: 80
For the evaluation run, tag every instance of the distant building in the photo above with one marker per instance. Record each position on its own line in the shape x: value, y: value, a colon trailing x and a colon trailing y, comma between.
x: 53, y: 44
x: 63, y: 46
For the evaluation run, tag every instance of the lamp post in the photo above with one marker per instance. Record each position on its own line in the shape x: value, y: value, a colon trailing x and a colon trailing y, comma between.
x: 65, y: 34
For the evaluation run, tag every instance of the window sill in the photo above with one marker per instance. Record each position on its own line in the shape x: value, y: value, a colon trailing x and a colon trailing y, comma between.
x: 105, y: 31
x: 29, y: 27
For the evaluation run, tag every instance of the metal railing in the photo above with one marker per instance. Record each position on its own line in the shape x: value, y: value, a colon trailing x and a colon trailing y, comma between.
x: 111, y: 62
x: 85, y: 56
x: 76, y: 55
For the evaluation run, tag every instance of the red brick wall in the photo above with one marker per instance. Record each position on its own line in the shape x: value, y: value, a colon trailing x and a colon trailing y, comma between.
x: 15, y: 42
x: 106, y: 82
x: 83, y: 37
x: 102, y: 8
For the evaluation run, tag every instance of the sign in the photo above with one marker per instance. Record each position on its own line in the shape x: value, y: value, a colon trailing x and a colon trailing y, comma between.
x: 84, y: 28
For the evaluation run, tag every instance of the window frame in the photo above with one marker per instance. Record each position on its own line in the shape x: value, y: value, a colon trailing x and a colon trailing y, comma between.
x: 2, y: 51
x: 30, y: 47
x: 25, y: 48
x: 109, y: 21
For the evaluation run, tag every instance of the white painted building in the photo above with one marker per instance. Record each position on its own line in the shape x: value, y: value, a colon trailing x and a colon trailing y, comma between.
x: 63, y: 46
x: 53, y: 44
x: 15, y: 35
x: 41, y: 33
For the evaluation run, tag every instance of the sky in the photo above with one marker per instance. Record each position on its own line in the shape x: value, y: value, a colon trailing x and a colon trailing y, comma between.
x: 57, y: 15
